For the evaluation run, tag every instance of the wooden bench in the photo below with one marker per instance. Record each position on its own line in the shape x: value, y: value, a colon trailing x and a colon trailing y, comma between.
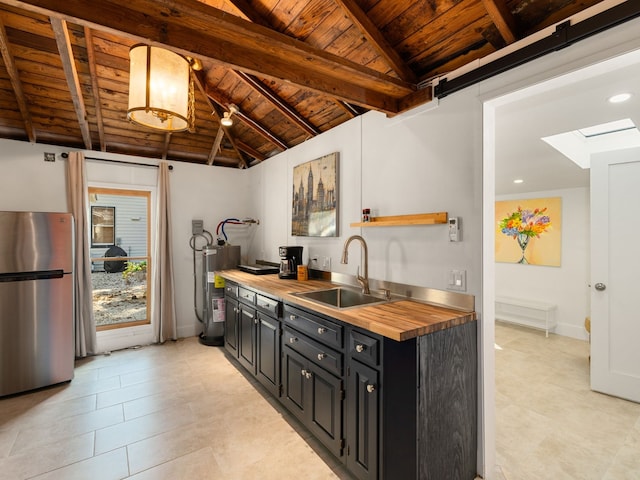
x: 529, y: 313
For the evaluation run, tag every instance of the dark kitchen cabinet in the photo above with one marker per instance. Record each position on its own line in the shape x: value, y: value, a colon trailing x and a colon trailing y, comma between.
x: 384, y: 408
x: 247, y: 338
x: 231, y: 314
x: 268, y: 352
x: 315, y: 397
x: 254, y: 322
x: 363, y: 412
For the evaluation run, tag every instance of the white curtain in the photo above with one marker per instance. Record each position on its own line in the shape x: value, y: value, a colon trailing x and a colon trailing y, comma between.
x: 85, y: 327
x: 163, y: 308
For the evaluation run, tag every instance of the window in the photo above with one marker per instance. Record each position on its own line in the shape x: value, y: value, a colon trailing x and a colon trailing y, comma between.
x: 103, y: 226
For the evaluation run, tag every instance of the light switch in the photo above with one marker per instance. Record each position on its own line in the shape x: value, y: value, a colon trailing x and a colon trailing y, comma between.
x: 457, y: 280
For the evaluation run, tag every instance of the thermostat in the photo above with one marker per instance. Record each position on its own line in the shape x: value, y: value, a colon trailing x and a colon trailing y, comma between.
x: 454, y: 229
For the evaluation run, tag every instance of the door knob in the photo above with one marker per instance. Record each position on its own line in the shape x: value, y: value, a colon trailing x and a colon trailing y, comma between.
x: 600, y: 287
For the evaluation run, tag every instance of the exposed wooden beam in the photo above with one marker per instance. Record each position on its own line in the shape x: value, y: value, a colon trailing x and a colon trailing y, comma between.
x: 216, y: 146
x: 91, y: 60
x: 502, y: 18
x: 69, y: 66
x: 165, y: 148
x: 418, y: 98
x: 16, y: 84
x: 198, y: 79
x: 282, y: 106
x: 248, y: 11
x: 350, y: 109
x: 195, y: 29
x: 377, y: 40
x: 251, y: 151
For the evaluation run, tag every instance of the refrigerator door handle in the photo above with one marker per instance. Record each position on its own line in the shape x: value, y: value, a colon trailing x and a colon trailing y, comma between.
x: 25, y: 276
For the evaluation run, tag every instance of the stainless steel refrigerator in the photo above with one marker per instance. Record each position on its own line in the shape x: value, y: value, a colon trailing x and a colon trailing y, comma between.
x: 36, y: 300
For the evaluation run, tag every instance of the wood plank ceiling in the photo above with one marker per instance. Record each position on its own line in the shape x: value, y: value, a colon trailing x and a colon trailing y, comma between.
x: 293, y: 68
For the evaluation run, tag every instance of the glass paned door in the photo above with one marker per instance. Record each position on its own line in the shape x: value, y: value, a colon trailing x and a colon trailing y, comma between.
x: 120, y: 260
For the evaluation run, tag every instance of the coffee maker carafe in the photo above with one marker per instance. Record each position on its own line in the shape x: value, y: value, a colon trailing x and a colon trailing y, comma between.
x: 290, y: 258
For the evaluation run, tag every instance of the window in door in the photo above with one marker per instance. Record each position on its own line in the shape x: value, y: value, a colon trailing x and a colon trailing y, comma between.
x: 120, y: 260
x: 103, y: 227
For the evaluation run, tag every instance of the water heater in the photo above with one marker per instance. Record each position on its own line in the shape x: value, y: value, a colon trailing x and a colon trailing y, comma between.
x: 214, y: 259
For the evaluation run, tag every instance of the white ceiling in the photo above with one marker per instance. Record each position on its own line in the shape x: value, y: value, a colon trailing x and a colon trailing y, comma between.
x: 582, y: 102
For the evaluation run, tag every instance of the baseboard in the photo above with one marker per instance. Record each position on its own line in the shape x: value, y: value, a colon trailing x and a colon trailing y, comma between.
x: 572, y: 331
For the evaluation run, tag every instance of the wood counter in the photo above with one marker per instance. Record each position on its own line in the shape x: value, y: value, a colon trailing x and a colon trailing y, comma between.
x: 398, y: 319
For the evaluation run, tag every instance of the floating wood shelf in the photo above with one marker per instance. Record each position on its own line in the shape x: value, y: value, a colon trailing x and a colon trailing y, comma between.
x: 399, y: 220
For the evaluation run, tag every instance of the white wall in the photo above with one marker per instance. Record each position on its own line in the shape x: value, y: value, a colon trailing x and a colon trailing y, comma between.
x: 197, y: 192
x: 394, y: 166
x: 566, y: 286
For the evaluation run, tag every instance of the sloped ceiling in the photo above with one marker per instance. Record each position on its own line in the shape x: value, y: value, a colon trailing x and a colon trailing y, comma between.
x: 293, y: 68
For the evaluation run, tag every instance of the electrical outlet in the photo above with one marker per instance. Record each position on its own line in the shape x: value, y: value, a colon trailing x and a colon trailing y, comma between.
x: 326, y: 264
x: 314, y: 263
x: 197, y: 227
x: 457, y: 280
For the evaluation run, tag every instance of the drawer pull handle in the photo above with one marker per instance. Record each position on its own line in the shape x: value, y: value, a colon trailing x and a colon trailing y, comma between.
x: 265, y: 305
x: 371, y: 388
x: 255, y: 320
x: 322, y: 356
x: 293, y: 340
x: 292, y: 317
x: 360, y: 348
x: 322, y: 330
x: 303, y: 373
x: 308, y: 375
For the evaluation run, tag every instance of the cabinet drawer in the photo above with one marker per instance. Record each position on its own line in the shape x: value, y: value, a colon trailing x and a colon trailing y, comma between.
x: 364, y: 348
x: 231, y: 290
x: 247, y: 295
x: 320, y: 329
x: 268, y: 305
x: 319, y: 354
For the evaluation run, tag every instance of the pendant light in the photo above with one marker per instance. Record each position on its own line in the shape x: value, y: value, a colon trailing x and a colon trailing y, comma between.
x: 159, y: 89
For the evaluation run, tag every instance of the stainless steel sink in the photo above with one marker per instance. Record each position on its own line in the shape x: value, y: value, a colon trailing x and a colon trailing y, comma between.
x: 340, y: 298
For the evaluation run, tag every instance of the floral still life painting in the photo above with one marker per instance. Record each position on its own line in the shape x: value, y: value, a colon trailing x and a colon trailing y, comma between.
x: 529, y: 231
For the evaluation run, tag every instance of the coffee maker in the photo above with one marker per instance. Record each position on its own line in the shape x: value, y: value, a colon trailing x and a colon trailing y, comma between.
x: 290, y: 258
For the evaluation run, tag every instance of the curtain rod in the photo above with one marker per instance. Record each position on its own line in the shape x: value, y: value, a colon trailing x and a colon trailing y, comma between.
x: 124, y: 162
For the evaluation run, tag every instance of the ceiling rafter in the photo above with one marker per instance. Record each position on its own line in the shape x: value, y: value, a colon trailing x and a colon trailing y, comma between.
x: 502, y: 18
x: 16, y: 84
x: 251, y: 151
x: 198, y: 79
x: 216, y: 146
x: 248, y: 11
x: 196, y: 29
x: 282, y: 106
x: 377, y: 40
x: 91, y: 60
x: 69, y: 66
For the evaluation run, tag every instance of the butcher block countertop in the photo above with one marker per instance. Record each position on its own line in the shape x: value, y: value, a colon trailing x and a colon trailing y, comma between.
x: 398, y: 319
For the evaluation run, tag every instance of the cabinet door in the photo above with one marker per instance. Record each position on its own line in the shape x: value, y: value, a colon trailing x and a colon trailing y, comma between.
x: 294, y: 371
x: 231, y: 326
x: 247, y: 338
x: 268, y: 353
x: 362, y: 420
x: 325, y: 408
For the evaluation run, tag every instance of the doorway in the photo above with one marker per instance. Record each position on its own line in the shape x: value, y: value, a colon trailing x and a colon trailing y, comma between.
x: 120, y: 245
x: 556, y: 96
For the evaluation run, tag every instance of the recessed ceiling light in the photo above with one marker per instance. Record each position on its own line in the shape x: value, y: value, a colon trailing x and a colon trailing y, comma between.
x: 619, y: 98
x: 518, y: 180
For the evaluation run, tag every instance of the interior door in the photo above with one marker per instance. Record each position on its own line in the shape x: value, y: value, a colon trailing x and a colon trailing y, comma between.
x: 615, y: 263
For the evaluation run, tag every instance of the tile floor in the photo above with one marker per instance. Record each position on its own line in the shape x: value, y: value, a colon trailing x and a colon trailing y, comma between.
x: 158, y: 412
x: 177, y: 411
x: 549, y: 424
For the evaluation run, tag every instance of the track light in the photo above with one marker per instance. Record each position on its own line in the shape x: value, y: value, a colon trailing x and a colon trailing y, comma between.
x: 226, y: 120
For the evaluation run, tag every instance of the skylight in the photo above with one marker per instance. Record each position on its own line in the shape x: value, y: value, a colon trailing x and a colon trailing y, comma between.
x: 579, y: 145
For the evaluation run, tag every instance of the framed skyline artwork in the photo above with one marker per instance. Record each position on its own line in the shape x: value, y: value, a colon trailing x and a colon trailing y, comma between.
x: 529, y: 231
x: 314, y: 206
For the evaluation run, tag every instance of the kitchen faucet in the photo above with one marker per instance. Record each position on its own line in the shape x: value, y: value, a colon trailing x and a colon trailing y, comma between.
x: 363, y: 281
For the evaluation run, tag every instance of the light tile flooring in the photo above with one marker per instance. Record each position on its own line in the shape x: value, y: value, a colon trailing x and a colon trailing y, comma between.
x: 550, y: 425
x: 177, y: 411
x: 182, y: 411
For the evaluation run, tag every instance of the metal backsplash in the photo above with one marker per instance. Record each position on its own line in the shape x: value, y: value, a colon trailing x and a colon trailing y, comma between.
x: 442, y: 298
